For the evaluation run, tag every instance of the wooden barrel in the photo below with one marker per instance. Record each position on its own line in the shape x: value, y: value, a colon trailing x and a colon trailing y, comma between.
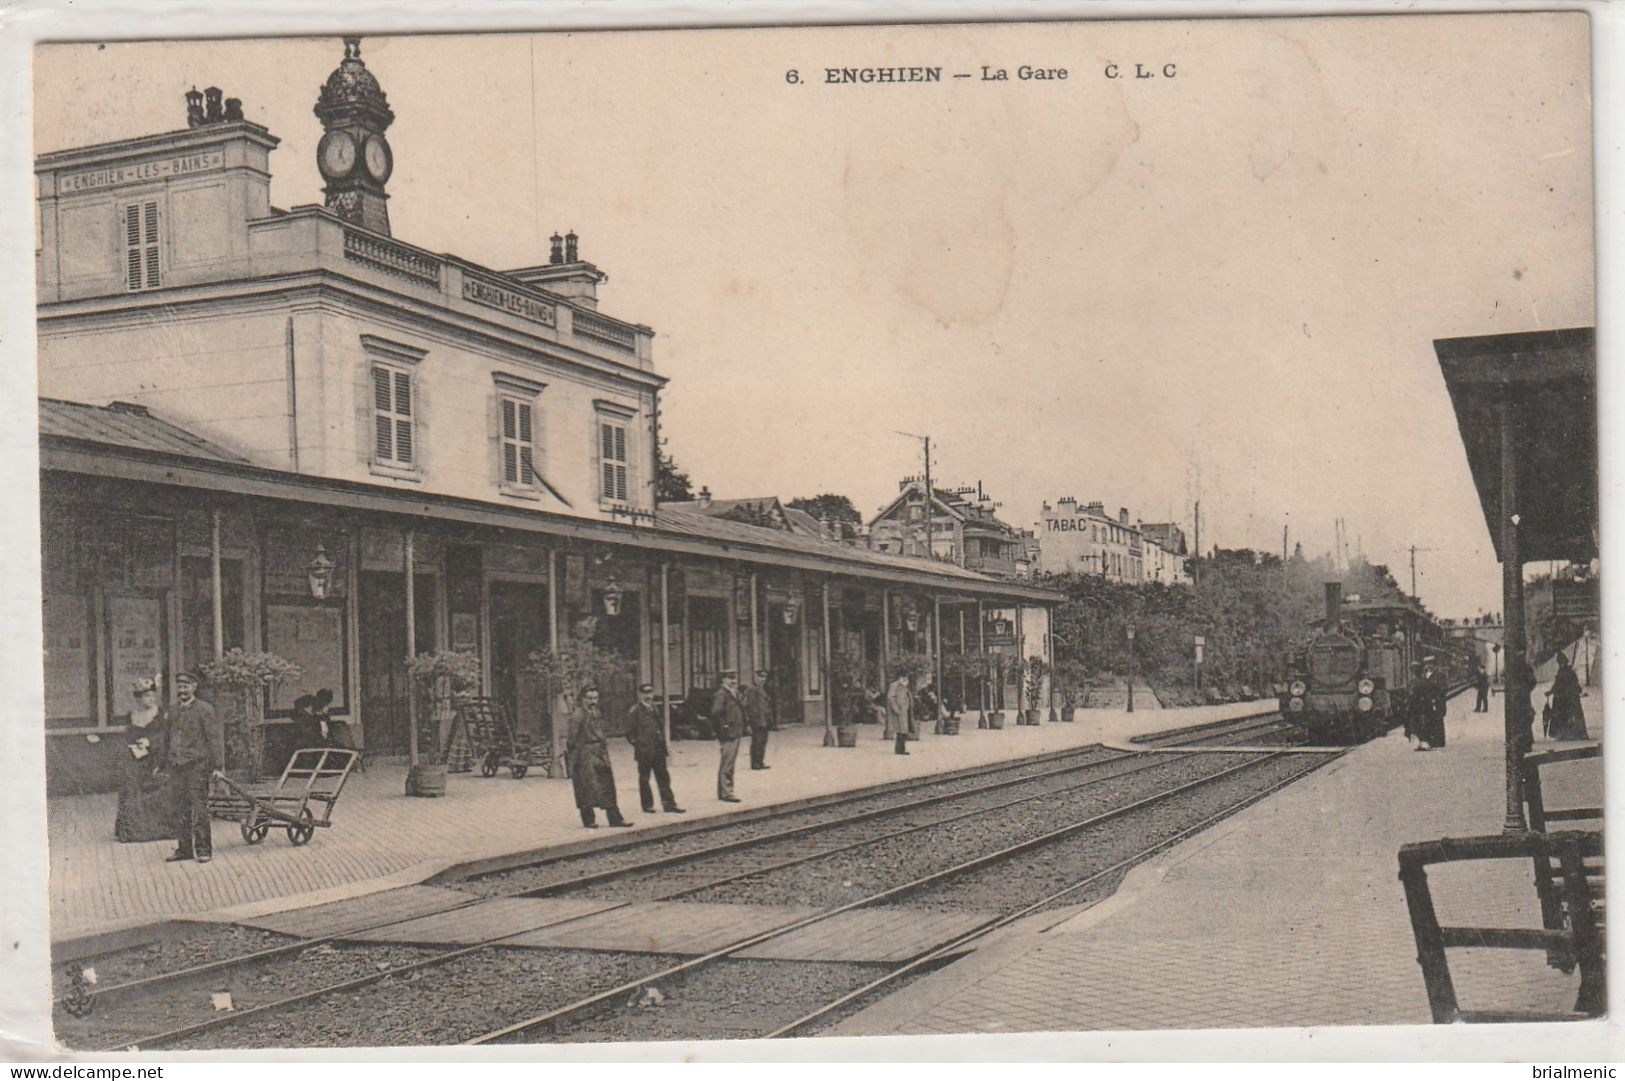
x: 846, y: 737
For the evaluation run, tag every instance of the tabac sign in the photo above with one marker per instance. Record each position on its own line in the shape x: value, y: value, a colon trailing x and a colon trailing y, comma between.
x: 161, y: 169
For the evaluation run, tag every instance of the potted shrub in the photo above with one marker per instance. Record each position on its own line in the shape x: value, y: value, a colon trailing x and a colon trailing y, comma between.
x: 440, y: 678
x: 992, y: 675
x: 577, y: 662
x: 1034, y: 672
x: 850, y: 697
x: 242, y: 683
x: 1069, y: 678
x: 959, y: 670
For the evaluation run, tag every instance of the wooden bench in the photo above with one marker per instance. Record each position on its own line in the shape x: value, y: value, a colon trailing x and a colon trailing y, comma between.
x: 1548, y: 874
x: 1575, y: 940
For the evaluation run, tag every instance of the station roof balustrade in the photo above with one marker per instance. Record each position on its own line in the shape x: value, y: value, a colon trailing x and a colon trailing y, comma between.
x: 126, y: 443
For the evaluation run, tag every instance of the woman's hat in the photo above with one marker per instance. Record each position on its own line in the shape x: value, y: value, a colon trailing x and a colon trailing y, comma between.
x: 144, y: 685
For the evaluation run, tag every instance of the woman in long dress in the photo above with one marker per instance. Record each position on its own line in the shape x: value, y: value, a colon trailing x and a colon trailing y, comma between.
x: 1568, y: 717
x: 146, y: 808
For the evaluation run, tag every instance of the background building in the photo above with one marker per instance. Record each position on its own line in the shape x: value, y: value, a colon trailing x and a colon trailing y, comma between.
x: 964, y: 529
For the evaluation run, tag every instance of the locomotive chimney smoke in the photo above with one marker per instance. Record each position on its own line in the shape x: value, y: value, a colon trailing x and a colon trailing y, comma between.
x: 1334, y: 603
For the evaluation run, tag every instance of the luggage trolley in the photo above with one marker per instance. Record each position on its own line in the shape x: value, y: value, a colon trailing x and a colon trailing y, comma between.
x: 298, y: 801
x: 495, y: 742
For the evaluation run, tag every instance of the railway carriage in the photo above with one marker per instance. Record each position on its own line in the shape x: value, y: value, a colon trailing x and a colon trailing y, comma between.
x: 1352, y: 680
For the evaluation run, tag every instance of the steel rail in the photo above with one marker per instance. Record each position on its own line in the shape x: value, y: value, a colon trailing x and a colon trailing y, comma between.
x: 1103, y: 756
x: 355, y: 983
x: 981, y: 931
x: 554, y: 1016
x: 107, y: 995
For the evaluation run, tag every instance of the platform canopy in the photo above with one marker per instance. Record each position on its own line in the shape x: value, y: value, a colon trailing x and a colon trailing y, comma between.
x: 1546, y: 382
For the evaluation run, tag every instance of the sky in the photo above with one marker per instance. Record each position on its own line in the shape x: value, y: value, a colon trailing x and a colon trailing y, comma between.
x: 1222, y: 286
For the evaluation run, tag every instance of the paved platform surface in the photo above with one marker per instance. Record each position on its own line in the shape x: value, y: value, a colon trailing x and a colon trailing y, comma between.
x: 1288, y: 914
x: 381, y: 839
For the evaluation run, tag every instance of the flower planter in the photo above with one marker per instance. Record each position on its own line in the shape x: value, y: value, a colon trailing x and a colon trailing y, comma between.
x: 950, y: 726
x: 846, y: 737
x: 995, y: 719
x: 426, y: 780
x: 1068, y: 714
x: 1030, y: 717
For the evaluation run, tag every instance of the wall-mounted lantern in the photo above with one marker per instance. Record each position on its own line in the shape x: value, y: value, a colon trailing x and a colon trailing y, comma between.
x: 321, y: 574
x: 791, y: 612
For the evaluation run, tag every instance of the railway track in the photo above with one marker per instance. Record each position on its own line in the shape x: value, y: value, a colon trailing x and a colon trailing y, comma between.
x: 683, y: 873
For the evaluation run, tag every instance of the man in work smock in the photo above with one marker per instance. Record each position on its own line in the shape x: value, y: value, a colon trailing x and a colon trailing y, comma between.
x: 590, y: 773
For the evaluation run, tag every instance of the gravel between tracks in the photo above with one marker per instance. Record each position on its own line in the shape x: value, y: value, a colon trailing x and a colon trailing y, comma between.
x: 209, y: 942
x: 559, y: 872
x: 189, y: 1002
x: 730, y: 1000
x: 860, y: 872
x: 446, y: 1004
x: 1028, y: 877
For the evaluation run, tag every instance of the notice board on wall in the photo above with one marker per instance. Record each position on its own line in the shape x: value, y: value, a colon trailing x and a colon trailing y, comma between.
x: 136, y: 641
x: 311, y: 636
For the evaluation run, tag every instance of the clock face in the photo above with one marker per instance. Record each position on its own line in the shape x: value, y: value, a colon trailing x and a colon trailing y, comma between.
x: 380, y: 162
x: 336, y: 154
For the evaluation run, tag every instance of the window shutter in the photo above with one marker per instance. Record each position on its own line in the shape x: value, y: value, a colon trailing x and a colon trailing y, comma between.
x: 403, y: 394
x: 132, y: 244
x: 524, y: 422
x: 403, y: 442
x: 384, y: 423
x: 509, y: 428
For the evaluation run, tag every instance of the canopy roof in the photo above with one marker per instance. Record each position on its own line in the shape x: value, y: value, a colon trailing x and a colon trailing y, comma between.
x: 1549, y: 378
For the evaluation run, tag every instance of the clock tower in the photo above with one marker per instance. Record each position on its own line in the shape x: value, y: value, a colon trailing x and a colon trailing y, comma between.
x: 353, y: 156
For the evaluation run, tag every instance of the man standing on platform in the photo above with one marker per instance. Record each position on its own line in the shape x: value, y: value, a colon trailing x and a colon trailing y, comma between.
x: 197, y: 751
x: 643, y: 732
x: 1481, y: 683
x: 759, y: 715
x: 590, y: 772
x: 900, y: 712
x: 729, y: 714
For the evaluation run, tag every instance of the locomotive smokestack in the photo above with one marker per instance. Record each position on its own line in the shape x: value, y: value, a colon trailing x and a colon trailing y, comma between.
x: 1334, y: 602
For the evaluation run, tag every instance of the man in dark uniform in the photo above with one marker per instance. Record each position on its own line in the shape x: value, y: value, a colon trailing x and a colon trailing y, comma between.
x: 1481, y: 683
x: 197, y: 751
x: 590, y: 774
x: 1416, y: 706
x: 759, y: 715
x: 728, y: 712
x: 643, y: 732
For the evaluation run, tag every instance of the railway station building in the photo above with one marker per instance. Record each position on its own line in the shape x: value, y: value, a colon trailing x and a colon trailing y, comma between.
x: 281, y: 430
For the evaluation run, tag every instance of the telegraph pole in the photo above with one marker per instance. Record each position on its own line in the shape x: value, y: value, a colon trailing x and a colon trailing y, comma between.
x: 1196, y: 564
x: 1414, y: 550
x: 930, y: 495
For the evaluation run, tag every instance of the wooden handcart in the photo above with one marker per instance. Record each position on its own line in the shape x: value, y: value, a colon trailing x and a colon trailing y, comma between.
x: 494, y: 741
x: 299, y: 801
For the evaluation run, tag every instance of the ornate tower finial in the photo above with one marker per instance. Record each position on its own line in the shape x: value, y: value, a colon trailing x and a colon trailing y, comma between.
x: 354, y: 156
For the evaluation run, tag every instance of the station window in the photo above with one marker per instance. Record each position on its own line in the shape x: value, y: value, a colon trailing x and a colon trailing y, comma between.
x: 392, y: 416
x: 518, y: 442
x: 141, y: 246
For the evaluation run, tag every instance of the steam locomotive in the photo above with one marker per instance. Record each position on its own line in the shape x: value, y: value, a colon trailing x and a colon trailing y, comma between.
x: 1352, y: 680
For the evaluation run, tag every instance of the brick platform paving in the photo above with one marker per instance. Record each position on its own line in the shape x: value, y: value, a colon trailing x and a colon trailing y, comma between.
x: 1288, y: 914
x: 380, y: 838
